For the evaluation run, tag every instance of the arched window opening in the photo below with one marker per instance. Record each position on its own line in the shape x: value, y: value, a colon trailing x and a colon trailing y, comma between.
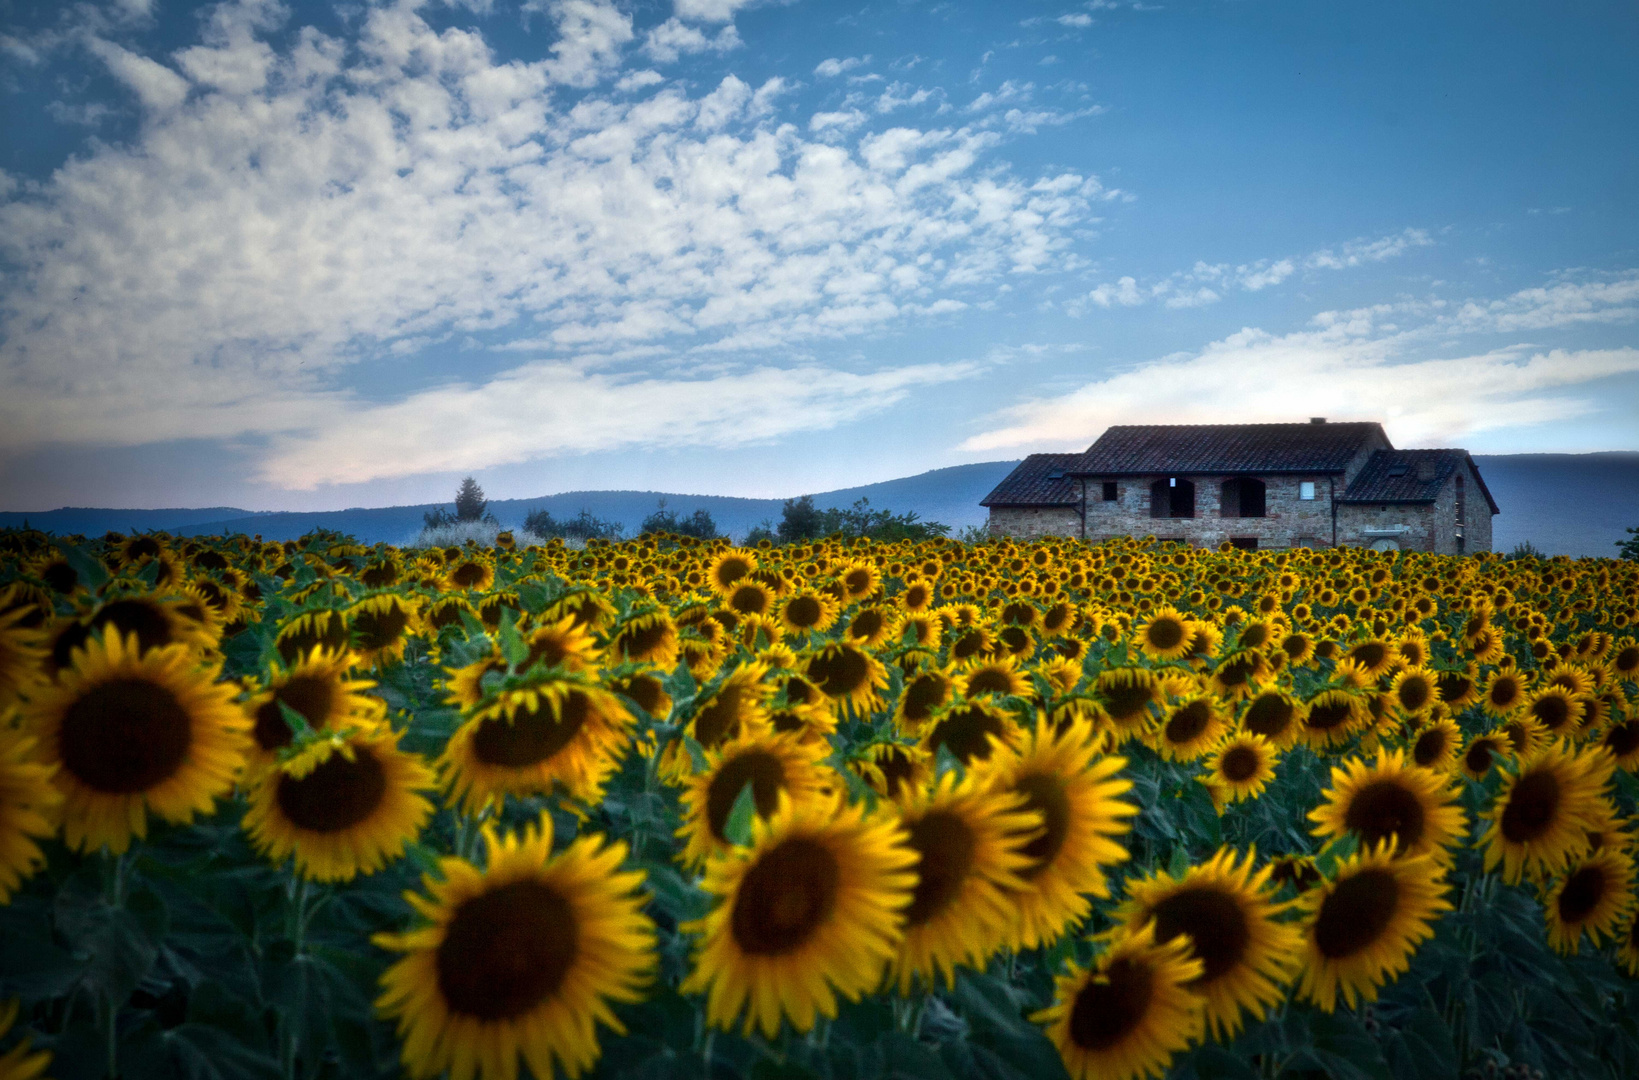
x: 1173, y: 497
x: 1242, y: 496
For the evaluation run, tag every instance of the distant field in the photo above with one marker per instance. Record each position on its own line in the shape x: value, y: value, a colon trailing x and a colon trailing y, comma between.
x: 1565, y: 504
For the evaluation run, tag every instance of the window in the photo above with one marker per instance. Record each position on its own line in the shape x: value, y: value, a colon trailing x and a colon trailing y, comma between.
x: 1109, y: 491
x: 1306, y: 490
x: 1244, y: 543
x: 1242, y: 496
x: 1172, y: 498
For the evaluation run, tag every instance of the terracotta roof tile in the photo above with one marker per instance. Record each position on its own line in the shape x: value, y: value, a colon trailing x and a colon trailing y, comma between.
x: 1226, y: 448
x: 1038, y: 480
x: 1409, y: 476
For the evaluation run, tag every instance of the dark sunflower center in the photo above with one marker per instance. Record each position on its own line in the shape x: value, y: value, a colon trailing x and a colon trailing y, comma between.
x: 1454, y: 685
x: 327, y: 629
x: 946, y: 845
x: 785, y: 897
x: 990, y: 680
x: 804, y: 612
x: 72, y: 636
x: 468, y: 574
x: 1236, y: 671
x: 732, y: 570
x: 1414, y: 693
x: 969, y: 644
x: 1269, y: 715
x: 310, y: 695
x: 897, y: 769
x: 1504, y: 692
x: 1215, y: 923
x: 1382, y: 809
x: 967, y: 733
x: 922, y: 695
x: 1046, y: 795
x: 1370, y: 654
x: 639, y: 642
x: 721, y: 716
x: 1533, y: 807
x: 1188, y: 721
x: 1164, y: 633
x: 1623, y: 739
x: 446, y: 615
x: 1553, y: 710
x: 866, y: 624
x: 1429, y: 746
x: 758, y: 768
x: 374, y: 630
x: 531, y: 736
x: 1295, y: 645
x: 1581, y: 895
x: 1325, y: 715
x: 1357, y: 913
x: 138, y: 617
x: 1478, y: 758
x: 857, y: 582
x: 507, y: 951
x: 644, y: 690
x: 1105, y: 1013
x: 1126, y: 701
x: 839, y: 672
x: 61, y: 577
x: 336, y: 795
x: 1239, y: 764
x: 1254, y: 636
x: 125, y: 735
x: 749, y: 599
x: 1627, y: 660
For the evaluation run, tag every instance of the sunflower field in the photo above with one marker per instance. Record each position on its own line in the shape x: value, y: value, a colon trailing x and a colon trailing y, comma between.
x: 843, y: 809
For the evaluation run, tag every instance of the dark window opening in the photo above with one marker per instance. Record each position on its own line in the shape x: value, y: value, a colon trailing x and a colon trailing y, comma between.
x: 1397, y: 468
x: 1245, y: 543
x: 1058, y: 475
x: 1109, y: 491
x: 1172, y: 498
x: 1461, y: 516
x: 1243, y: 496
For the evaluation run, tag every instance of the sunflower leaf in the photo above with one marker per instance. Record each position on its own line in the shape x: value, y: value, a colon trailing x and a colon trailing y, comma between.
x: 93, y: 574
x: 738, y: 826
x: 1333, y: 854
x: 1178, y: 865
x: 513, y: 646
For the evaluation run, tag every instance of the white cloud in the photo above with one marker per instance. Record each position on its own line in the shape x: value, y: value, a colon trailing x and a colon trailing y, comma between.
x: 1189, y: 288
x: 378, y: 195
x: 547, y: 409
x: 674, y: 38
x: 832, y: 67
x: 1124, y: 292
x: 1354, y: 365
x: 1078, y: 20
x: 716, y: 11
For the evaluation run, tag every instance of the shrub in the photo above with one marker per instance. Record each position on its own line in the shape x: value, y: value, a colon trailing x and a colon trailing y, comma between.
x: 699, y: 524
x: 583, y: 526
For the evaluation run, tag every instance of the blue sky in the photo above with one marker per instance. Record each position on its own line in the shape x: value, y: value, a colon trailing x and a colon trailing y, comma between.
x: 318, y: 255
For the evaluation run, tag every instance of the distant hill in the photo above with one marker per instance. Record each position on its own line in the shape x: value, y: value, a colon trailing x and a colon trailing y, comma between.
x: 1565, y: 504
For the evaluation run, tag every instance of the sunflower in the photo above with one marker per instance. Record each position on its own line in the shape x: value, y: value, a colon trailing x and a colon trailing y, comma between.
x: 1275, y: 715
x: 1126, y: 1016
x: 1624, y: 660
x: 968, y: 870
x: 1435, y: 747
x: 1165, y: 635
x: 1298, y: 647
x: 918, y: 596
x: 589, y: 609
x: 1482, y: 752
x: 22, y: 659
x: 648, y: 691
x: 1545, y: 809
x: 303, y: 633
x: 381, y: 626
x: 1126, y: 695
x: 1504, y: 692
x: 728, y: 568
x: 469, y: 573
x: 895, y: 771
x: 1374, y: 655
x: 971, y: 730
x: 22, y: 1061
x: 1190, y: 729
x: 848, y: 675
x: 859, y: 579
x: 647, y: 637
x: 1391, y: 799
x: 1241, y: 766
x: 316, y: 687
x: 812, y: 910
x: 1414, y: 692
x: 1621, y: 738
x: 739, y: 704
x: 1236, y: 676
x: 133, y: 732
x: 776, y: 766
x: 1364, y: 923
x: 1594, y: 895
x: 750, y: 597
x: 344, y: 805
x: 155, y: 620
x: 1228, y: 914
x: 29, y: 807
x: 999, y: 676
x: 520, y: 959
x: 1331, y: 718
x: 1557, y: 709
x: 1525, y: 735
x: 558, y: 729
x: 1074, y: 794
x: 807, y: 612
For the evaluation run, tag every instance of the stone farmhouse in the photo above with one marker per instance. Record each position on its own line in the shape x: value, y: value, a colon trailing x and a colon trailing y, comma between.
x: 1258, y: 486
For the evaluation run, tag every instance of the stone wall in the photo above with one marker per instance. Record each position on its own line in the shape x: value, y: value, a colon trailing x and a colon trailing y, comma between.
x: 1354, y: 518
x: 1476, y: 515
x: 1029, y: 522
x: 1288, y: 520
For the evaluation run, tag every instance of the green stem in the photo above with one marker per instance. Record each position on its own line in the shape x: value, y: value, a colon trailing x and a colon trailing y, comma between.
x: 110, y: 1015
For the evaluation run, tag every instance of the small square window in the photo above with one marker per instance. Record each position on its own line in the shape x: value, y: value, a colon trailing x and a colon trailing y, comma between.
x: 1306, y: 489
x: 1109, y: 491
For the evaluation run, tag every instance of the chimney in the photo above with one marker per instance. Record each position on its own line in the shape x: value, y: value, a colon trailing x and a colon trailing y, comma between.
x: 1317, y: 419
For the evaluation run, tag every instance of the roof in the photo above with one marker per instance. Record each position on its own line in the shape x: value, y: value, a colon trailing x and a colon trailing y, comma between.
x: 1410, y: 476
x: 1226, y: 448
x: 1038, y: 480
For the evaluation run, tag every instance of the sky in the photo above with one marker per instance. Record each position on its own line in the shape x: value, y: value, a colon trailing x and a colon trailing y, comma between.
x: 317, y: 255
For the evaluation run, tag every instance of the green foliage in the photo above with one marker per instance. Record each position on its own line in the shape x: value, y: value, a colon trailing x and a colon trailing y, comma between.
x: 1527, y: 550
x: 800, y: 519
x: 470, y: 504
x: 698, y: 524
x: 1629, y: 548
x: 583, y: 526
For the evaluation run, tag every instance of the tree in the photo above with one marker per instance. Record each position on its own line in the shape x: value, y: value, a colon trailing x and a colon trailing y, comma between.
x: 800, y: 519
x: 1629, y: 548
x: 699, y: 524
x: 583, y: 526
x: 470, y: 503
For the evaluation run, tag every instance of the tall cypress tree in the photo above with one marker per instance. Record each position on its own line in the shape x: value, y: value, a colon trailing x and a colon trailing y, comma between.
x: 470, y: 503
